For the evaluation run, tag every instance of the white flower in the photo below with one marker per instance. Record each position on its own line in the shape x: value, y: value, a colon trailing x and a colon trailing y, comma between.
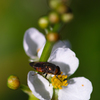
x: 34, y: 41
x: 78, y: 88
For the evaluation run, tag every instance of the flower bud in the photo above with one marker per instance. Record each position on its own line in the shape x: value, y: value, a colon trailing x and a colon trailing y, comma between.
x: 43, y: 22
x: 62, y: 8
x: 52, y: 37
x: 13, y: 82
x: 67, y: 17
x: 54, y: 3
x: 54, y: 17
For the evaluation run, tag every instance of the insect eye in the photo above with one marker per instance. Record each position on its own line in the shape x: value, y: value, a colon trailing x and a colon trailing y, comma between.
x: 31, y: 64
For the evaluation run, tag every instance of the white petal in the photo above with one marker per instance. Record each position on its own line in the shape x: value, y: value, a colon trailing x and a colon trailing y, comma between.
x: 39, y: 86
x: 78, y: 88
x: 63, y: 44
x: 65, y: 59
x: 33, y: 40
x: 40, y: 51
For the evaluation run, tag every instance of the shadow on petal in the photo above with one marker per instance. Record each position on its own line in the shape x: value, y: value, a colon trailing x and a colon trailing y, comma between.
x: 63, y: 67
x: 32, y: 46
x: 71, y: 81
x: 40, y: 90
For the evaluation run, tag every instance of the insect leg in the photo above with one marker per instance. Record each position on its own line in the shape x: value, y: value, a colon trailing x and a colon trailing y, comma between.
x: 45, y: 75
x: 58, y: 78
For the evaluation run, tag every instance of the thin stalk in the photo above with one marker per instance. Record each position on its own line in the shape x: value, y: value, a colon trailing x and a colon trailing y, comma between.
x: 25, y: 89
x: 46, y: 51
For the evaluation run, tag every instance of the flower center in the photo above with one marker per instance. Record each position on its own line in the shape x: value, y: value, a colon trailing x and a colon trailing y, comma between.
x: 59, y: 81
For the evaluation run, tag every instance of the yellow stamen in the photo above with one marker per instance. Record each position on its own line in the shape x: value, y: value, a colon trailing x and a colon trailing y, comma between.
x: 38, y: 50
x: 82, y: 84
x: 59, y: 81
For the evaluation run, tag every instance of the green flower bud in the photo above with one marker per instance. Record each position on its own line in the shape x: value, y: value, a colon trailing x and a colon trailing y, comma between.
x: 62, y: 8
x: 13, y: 82
x: 54, y: 17
x: 52, y: 37
x: 54, y: 3
x: 43, y: 22
x: 67, y: 17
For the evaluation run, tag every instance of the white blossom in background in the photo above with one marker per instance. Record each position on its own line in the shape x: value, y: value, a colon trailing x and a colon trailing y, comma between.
x: 34, y: 41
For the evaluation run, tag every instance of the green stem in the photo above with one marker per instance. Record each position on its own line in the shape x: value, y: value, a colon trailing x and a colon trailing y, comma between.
x: 32, y: 97
x: 55, y: 94
x: 25, y: 89
x: 46, y: 51
x: 58, y: 27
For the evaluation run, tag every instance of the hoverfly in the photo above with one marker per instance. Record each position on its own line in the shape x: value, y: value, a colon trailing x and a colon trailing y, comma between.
x: 46, y: 68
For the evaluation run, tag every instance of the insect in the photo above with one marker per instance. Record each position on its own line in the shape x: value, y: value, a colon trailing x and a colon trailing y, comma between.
x: 46, y: 68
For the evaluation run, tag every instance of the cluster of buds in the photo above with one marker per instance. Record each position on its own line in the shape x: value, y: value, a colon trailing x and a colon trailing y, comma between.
x: 53, y: 22
x: 60, y: 13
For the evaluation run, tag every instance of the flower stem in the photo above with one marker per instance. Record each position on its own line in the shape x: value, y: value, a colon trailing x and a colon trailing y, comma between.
x: 55, y: 94
x: 25, y: 89
x: 46, y: 51
x: 58, y: 27
x: 32, y: 97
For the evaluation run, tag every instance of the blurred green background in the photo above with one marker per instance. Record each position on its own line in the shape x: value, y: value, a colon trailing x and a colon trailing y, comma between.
x: 16, y: 16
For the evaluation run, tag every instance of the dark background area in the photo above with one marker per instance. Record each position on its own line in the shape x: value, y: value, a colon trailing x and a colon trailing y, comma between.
x: 16, y: 16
